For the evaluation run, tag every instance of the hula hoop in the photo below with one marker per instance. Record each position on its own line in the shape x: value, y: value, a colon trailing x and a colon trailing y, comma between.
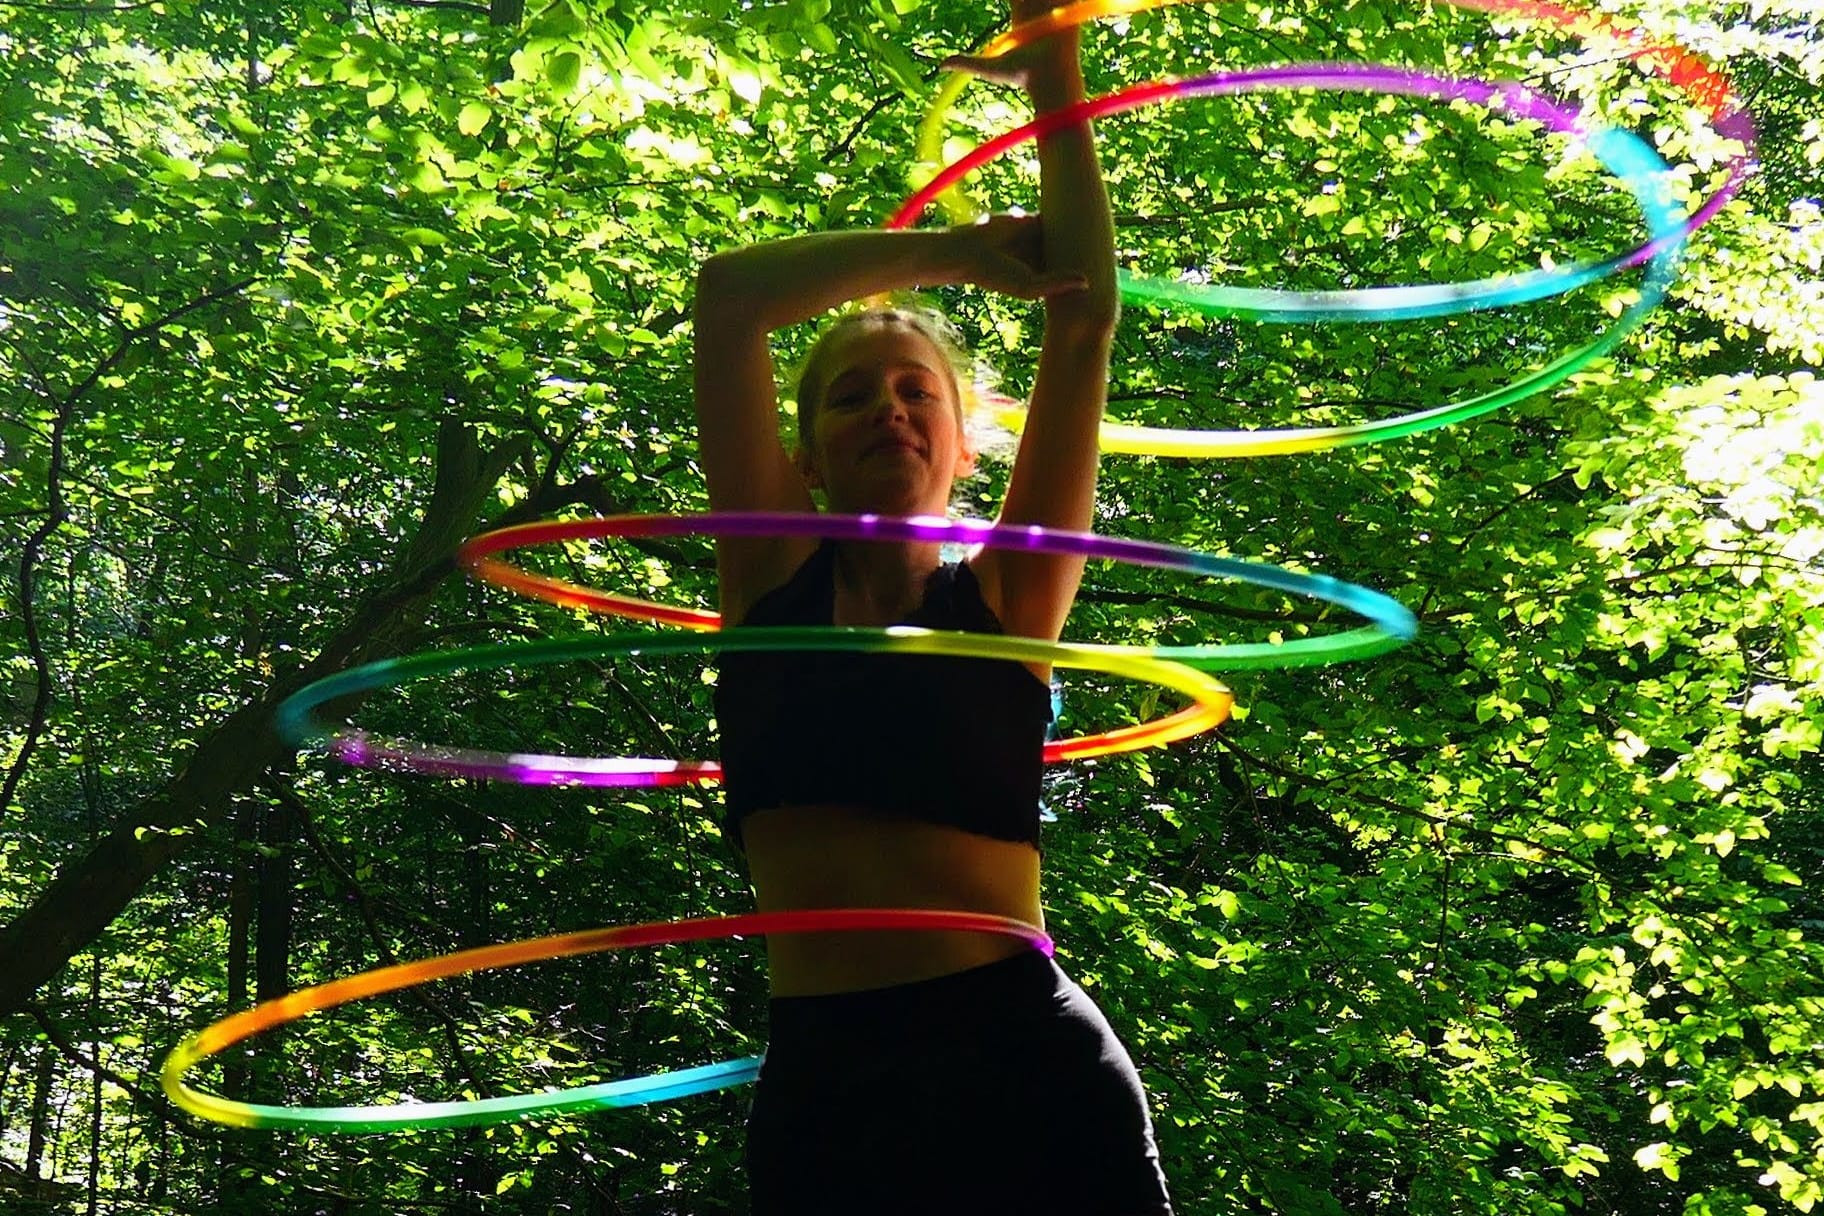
x: 1705, y: 86
x: 1391, y: 625
x: 297, y: 725
x: 1626, y: 155
x: 657, y: 1087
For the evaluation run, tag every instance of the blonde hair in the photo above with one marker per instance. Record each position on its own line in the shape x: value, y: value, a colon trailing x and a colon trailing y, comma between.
x: 969, y: 377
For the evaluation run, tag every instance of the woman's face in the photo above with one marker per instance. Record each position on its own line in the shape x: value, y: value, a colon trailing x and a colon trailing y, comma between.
x: 887, y: 432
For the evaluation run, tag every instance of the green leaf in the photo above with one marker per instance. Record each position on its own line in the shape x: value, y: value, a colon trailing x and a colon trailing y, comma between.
x: 564, y: 70
x: 475, y: 115
x: 427, y: 177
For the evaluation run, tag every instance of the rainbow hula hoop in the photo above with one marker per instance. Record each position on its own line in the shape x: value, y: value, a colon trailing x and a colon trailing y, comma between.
x: 1391, y: 625
x: 1624, y: 155
x: 1707, y: 88
x: 1627, y: 156
x: 657, y: 1087
x: 297, y: 725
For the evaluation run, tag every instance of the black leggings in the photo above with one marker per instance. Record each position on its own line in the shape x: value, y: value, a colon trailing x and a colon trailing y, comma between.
x: 1000, y: 1089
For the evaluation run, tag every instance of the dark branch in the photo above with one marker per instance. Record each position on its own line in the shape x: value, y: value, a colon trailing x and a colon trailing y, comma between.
x: 91, y: 9
x: 845, y: 146
x: 1098, y: 595
x: 156, y: 1103
x: 364, y: 904
x: 57, y: 513
x: 1457, y: 824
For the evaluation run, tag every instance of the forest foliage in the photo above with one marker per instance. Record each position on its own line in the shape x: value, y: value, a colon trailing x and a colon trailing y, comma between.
x: 1521, y: 918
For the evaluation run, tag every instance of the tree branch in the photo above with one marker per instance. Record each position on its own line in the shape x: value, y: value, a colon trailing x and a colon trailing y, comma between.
x: 90, y: 9
x: 1461, y: 825
x: 155, y: 1102
x: 57, y: 514
x: 1099, y: 595
x: 845, y: 146
x: 454, y: 5
x: 89, y: 892
x: 364, y: 904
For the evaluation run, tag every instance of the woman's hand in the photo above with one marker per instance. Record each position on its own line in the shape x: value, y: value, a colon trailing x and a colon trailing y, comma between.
x: 1051, y: 53
x: 1014, y: 68
x: 1005, y: 253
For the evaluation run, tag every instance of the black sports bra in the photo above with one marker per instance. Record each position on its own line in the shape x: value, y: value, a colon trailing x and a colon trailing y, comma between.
x: 945, y: 740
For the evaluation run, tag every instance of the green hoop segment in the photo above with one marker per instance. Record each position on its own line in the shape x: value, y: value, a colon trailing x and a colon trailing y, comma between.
x: 297, y: 724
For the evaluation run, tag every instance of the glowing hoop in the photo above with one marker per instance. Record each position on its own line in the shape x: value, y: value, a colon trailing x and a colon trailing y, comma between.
x: 296, y: 722
x: 658, y: 1087
x: 1390, y: 623
x: 1708, y: 88
x: 1623, y: 154
x: 1639, y: 167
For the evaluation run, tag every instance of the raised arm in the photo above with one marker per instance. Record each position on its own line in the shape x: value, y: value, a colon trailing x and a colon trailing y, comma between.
x: 1054, y: 475
x: 745, y: 294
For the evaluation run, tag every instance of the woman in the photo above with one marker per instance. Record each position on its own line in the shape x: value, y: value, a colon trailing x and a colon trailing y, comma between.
x: 914, y: 1072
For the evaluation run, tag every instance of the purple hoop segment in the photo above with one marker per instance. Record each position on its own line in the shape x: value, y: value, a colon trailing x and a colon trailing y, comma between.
x: 1391, y: 624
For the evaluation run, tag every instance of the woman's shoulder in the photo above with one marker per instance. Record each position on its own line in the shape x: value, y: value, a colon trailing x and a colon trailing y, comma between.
x: 803, y: 594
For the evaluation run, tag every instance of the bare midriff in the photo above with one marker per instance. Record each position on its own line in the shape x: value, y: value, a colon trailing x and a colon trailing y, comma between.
x: 851, y: 857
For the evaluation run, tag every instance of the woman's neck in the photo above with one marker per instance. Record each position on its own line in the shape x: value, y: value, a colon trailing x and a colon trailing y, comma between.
x: 878, y: 583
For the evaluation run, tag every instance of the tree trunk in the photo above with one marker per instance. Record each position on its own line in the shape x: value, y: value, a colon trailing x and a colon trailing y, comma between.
x: 240, y: 903
x: 6, y: 1085
x: 263, y: 872
x: 41, y: 1113
x: 477, y: 927
x: 94, y: 1196
x: 161, y: 1174
x: 272, y: 941
x: 235, y: 1070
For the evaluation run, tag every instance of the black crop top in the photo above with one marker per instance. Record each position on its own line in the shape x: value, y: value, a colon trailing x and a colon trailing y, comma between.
x: 942, y: 739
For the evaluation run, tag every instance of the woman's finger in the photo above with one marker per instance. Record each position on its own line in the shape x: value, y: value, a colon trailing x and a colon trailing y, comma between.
x: 999, y: 69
